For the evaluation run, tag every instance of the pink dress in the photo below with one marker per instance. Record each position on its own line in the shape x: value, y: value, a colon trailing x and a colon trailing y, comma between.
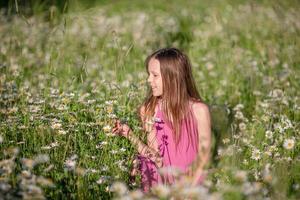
x: 174, y: 157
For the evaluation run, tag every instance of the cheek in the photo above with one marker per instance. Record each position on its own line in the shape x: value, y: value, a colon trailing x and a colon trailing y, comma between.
x: 161, y: 84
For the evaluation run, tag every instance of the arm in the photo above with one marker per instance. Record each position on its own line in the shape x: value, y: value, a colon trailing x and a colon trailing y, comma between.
x: 147, y: 150
x: 203, y: 119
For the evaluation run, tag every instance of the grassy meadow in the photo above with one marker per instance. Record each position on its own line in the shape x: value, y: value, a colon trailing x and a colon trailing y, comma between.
x: 65, y: 75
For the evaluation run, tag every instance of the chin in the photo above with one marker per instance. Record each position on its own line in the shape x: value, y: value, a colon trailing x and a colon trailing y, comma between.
x: 157, y: 95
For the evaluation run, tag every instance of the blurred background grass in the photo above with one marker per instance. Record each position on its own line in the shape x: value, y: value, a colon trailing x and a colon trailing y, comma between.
x: 63, y: 61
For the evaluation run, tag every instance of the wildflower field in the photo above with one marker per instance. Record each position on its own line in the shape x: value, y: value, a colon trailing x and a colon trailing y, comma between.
x: 64, y: 77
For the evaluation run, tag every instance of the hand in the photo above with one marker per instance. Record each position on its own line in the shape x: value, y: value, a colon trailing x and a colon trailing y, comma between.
x: 121, y: 129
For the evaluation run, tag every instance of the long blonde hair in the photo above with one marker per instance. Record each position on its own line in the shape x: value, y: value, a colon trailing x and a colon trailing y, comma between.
x: 178, y: 88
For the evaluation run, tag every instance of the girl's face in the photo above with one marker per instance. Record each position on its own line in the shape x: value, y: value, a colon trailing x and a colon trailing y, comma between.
x: 154, y: 78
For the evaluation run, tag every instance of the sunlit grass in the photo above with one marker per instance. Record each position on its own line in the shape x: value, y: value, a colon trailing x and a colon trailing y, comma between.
x: 62, y: 83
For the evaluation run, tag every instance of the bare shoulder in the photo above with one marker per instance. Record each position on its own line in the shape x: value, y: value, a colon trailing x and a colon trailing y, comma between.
x: 202, y: 115
x: 200, y: 109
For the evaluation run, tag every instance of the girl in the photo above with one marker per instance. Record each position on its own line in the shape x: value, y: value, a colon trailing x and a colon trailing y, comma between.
x: 176, y: 120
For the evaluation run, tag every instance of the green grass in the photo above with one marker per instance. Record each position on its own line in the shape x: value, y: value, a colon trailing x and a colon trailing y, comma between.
x: 66, y: 68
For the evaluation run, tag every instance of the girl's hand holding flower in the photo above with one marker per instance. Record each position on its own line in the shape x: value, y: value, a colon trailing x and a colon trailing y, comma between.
x: 121, y: 128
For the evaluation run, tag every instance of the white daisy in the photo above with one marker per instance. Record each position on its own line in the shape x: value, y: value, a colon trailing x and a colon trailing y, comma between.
x: 106, y: 128
x: 255, y: 154
x: 269, y: 134
x: 119, y: 187
x: 62, y: 132
x: 242, y: 126
x: 289, y: 143
x: 239, y: 115
x: 161, y: 190
x: 56, y: 125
